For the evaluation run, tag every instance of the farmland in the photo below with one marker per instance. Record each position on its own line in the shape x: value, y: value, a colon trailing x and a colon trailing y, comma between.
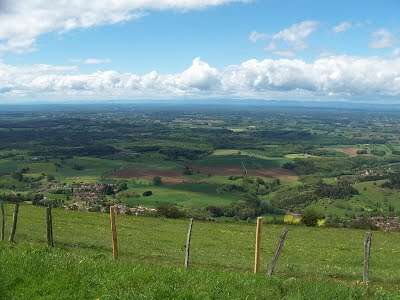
x: 245, y: 160
x: 223, y: 167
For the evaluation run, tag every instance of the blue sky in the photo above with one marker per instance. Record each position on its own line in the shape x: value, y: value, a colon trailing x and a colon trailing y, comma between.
x: 93, y: 52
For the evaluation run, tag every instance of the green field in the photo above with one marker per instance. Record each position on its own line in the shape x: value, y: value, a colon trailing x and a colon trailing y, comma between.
x: 186, y: 195
x: 325, y: 260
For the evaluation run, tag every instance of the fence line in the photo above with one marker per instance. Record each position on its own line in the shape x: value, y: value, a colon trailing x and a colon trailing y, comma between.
x: 187, y: 245
x: 278, y: 250
x: 113, y: 233
x: 49, y: 227
x: 257, y: 253
x: 367, y: 254
x: 3, y: 221
x: 14, y: 223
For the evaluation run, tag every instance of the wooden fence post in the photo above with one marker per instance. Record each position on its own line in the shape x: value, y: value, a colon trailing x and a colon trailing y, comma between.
x: 272, y: 264
x: 3, y: 221
x: 257, y: 253
x: 187, y: 245
x: 113, y: 232
x: 14, y: 223
x: 367, y: 253
x: 49, y: 227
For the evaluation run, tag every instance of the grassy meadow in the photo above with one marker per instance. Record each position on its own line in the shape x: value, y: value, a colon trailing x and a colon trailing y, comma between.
x: 313, y: 261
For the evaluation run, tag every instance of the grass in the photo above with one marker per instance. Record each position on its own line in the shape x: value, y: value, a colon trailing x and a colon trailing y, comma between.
x: 309, y: 253
x: 315, y: 264
x: 38, y: 273
x: 237, y: 160
x: 226, y: 152
x: 188, y: 195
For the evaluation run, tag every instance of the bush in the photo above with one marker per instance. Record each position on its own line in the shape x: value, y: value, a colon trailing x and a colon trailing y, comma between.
x: 78, y: 167
x: 363, y: 222
x: 147, y: 193
x: 311, y: 217
x: 169, y: 211
x: 122, y: 186
x: 215, y: 211
x: 188, y: 171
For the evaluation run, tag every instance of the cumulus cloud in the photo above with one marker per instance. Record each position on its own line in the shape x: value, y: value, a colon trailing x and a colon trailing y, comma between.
x: 21, y: 22
x: 381, y: 39
x: 342, y: 27
x: 331, y: 77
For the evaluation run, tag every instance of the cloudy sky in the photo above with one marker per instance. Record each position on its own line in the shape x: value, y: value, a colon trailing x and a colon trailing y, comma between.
x: 182, y: 49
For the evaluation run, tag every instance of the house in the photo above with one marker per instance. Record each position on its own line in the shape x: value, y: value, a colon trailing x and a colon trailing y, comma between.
x: 292, y: 218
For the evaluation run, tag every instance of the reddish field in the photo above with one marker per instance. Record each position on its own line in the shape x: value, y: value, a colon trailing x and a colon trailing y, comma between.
x: 168, y: 176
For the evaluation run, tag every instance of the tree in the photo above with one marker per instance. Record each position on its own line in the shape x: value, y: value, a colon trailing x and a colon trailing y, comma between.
x: 17, y: 175
x: 157, y: 181
x: 394, y: 180
x: 109, y: 190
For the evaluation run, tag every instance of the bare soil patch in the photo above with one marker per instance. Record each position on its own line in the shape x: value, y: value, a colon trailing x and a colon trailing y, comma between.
x: 352, y: 151
x: 168, y: 176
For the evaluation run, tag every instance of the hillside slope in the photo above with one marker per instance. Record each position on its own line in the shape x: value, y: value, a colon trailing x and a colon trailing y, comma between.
x: 314, y: 261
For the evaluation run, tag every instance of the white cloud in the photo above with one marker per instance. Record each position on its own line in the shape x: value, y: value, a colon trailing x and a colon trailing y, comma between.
x: 96, y: 61
x: 199, y: 76
x: 342, y: 27
x: 331, y: 77
x: 396, y: 52
x: 257, y: 36
x: 381, y: 39
x: 287, y: 41
x: 284, y: 53
x: 21, y: 22
x: 295, y: 36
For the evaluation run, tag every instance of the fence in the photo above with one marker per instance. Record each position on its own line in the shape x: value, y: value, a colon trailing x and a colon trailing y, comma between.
x: 220, y: 245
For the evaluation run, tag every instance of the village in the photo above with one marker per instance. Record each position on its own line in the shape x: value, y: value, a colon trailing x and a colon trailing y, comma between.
x: 92, y: 197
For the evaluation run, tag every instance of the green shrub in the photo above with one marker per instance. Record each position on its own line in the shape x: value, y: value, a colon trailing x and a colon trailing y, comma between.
x: 311, y: 217
x: 169, y: 211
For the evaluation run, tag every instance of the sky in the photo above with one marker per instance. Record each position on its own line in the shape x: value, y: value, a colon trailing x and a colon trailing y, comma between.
x: 60, y: 50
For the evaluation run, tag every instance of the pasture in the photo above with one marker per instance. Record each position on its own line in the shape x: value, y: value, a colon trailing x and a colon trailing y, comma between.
x: 325, y: 260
